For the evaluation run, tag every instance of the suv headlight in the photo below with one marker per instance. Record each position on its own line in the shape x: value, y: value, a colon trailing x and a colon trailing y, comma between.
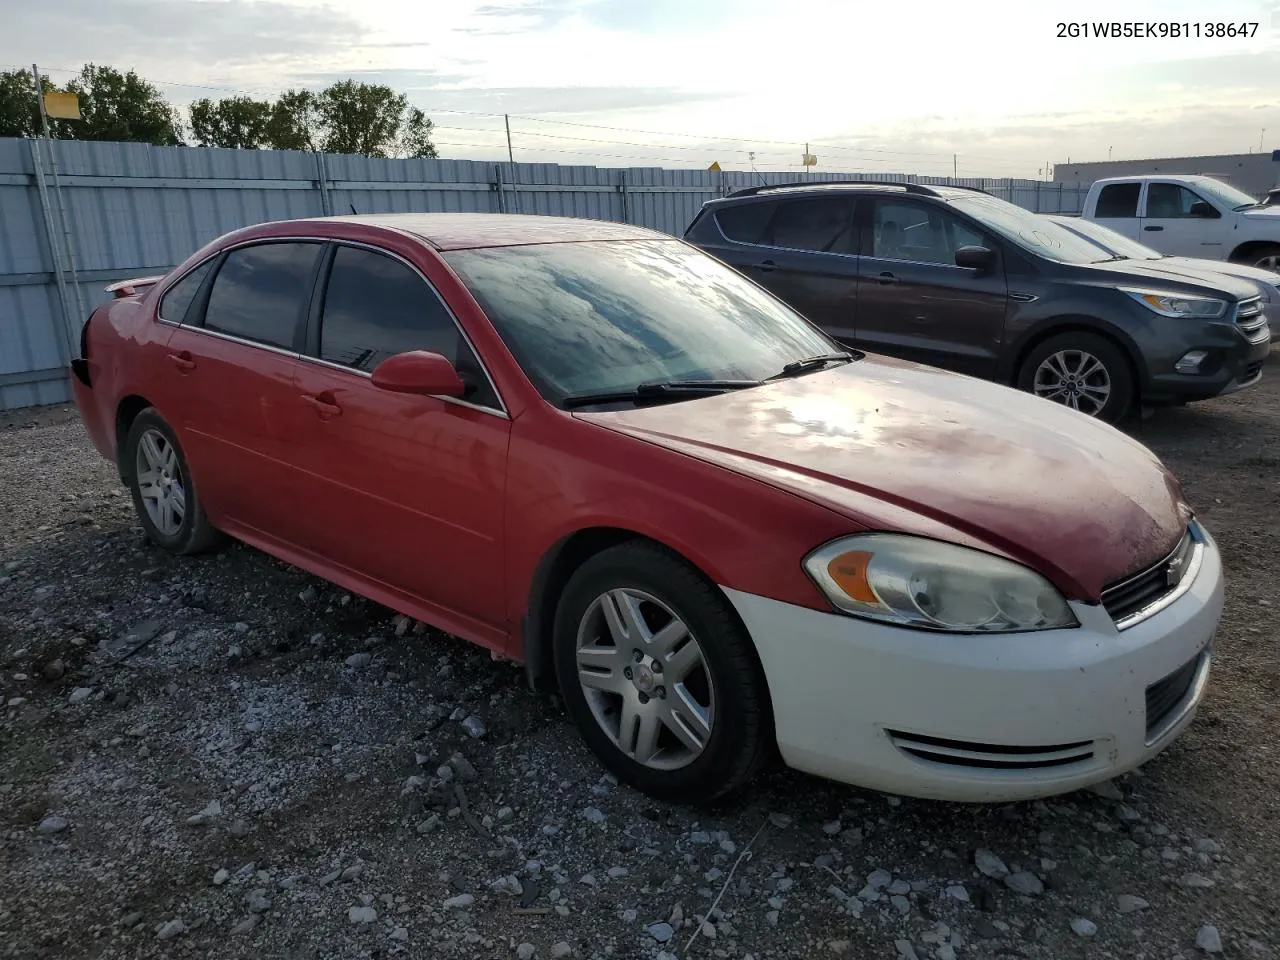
x: 1178, y: 304
x: 927, y: 584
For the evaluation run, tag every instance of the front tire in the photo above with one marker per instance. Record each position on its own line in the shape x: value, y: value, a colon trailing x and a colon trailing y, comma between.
x: 660, y: 676
x: 164, y: 495
x: 1264, y: 258
x: 1083, y: 371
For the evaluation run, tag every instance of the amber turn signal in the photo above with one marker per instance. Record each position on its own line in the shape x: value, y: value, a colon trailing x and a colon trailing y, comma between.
x: 849, y: 571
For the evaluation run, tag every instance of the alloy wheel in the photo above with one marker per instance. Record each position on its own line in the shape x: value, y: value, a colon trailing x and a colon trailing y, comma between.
x: 645, y: 679
x: 1075, y: 378
x: 159, y: 478
x: 1269, y: 262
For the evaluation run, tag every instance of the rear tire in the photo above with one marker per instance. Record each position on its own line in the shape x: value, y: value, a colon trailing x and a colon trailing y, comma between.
x: 1083, y: 371
x: 686, y: 719
x: 164, y: 495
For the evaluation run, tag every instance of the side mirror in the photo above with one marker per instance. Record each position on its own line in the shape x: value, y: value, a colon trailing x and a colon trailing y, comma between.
x: 418, y: 372
x: 976, y: 258
x: 1204, y: 209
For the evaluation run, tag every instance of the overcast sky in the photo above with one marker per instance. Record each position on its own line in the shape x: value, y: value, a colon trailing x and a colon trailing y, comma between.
x: 872, y: 86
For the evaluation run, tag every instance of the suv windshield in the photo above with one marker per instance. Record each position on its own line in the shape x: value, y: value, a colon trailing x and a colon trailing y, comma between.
x: 1033, y: 232
x: 1112, y: 241
x: 1225, y: 194
x: 608, y: 316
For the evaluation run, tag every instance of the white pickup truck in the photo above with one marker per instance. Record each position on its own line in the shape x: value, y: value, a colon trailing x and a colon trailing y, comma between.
x: 1188, y: 216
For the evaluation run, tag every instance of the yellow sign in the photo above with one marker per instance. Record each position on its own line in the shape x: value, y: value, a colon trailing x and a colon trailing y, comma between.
x: 62, y: 106
x: 715, y: 165
x: 808, y: 160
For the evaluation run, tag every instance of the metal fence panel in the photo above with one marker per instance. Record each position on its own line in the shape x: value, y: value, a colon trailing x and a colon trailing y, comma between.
x: 133, y: 209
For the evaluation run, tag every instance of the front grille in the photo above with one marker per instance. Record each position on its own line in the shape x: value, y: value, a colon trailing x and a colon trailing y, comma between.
x: 1165, y: 696
x: 1249, y: 308
x: 991, y: 756
x: 1130, y: 596
x: 1251, y: 321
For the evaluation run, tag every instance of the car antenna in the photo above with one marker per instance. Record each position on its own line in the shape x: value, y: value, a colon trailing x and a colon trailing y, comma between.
x: 353, y: 209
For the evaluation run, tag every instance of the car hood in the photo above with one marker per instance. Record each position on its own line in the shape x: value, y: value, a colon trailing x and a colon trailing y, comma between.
x: 1242, y: 270
x: 1268, y: 212
x: 896, y: 446
x: 1140, y: 272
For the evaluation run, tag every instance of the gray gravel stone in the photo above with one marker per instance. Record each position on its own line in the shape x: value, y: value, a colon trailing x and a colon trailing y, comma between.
x: 358, y: 661
x: 594, y: 815
x: 1025, y: 883
x: 1108, y: 790
x: 81, y: 694
x: 1208, y: 939
x: 1128, y: 903
x: 561, y: 949
x: 661, y: 932
x: 362, y: 914
x: 1083, y: 928
x: 54, y: 824
x: 905, y: 950
x: 989, y: 864
x: 474, y: 726
x: 957, y: 892
x: 526, y: 951
x: 1197, y: 881
x: 460, y: 902
x: 901, y: 904
x: 174, y: 928
x: 247, y: 925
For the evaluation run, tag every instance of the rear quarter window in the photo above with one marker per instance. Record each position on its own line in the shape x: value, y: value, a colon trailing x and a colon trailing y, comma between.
x: 177, y: 299
x: 1118, y: 200
x: 746, y: 222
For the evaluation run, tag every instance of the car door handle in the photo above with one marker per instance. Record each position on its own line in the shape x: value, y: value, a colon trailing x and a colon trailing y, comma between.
x: 182, y: 361
x: 886, y: 278
x: 766, y: 266
x: 1153, y: 229
x: 324, y: 405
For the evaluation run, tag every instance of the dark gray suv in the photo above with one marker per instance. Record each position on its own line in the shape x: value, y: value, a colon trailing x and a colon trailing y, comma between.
x: 959, y: 279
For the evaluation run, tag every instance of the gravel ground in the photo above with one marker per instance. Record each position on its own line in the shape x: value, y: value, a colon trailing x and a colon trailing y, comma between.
x: 226, y: 757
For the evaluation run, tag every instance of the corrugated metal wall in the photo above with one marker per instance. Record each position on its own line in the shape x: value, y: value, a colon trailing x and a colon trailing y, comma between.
x: 134, y: 209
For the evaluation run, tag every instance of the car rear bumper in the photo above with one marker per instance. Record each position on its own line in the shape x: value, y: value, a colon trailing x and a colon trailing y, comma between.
x: 983, y: 718
x: 101, y: 432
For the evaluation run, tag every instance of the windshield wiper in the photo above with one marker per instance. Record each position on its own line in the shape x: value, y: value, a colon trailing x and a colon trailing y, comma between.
x: 658, y: 391
x: 797, y: 367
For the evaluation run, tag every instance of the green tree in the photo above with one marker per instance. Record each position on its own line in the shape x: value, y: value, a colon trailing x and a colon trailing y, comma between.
x: 122, y: 107
x: 239, y: 122
x: 373, y: 120
x: 19, y: 111
x: 294, y: 123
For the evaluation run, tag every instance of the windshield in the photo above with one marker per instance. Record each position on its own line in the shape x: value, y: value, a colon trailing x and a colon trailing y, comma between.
x: 1112, y: 241
x: 606, y: 316
x: 1225, y: 194
x: 1031, y: 231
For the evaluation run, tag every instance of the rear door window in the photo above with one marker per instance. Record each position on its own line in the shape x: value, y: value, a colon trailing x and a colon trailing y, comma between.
x: 376, y: 306
x: 746, y: 222
x: 1118, y: 200
x: 261, y: 292
x: 821, y: 224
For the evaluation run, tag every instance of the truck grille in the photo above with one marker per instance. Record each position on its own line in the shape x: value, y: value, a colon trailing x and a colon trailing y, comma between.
x: 1127, y: 599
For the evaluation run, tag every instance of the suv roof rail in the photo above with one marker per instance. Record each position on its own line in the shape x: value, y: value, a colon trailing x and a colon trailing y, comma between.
x: 917, y: 188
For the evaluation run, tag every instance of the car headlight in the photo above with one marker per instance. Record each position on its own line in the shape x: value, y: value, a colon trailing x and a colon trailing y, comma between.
x: 1178, y: 304
x: 927, y: 584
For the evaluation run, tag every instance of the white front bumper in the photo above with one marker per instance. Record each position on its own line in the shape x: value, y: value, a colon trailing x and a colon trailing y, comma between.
x: 1015, y: 716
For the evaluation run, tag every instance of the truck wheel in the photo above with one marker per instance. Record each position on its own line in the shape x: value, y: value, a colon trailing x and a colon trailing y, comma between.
x: 1264, y: 258
x: 1083, y: 371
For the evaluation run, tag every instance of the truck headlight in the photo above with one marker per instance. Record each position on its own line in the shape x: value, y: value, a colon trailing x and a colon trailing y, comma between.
x: 1178, y: 304
x: 931, y: 585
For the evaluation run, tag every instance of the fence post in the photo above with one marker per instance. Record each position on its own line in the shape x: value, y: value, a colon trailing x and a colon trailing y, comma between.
x: 497, y: 185
x: 65, y: 346
x: 515, y: 190
x: 622, y: 190
x: 322, y: 178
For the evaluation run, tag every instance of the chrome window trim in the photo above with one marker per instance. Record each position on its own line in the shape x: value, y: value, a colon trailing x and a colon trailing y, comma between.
x: 501, y: 411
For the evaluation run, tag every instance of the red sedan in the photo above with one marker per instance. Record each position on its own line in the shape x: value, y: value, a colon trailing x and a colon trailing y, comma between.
x: 595, y: 449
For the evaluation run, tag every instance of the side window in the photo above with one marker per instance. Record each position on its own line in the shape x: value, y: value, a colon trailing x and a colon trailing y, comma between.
x: 925, y: 234
x: 746, y: 222
x: 1170, y: 200
x: 823, y: 224
x: 1118, y: 200
x: 177, y: 299
x: 376, y: 306
x: 260, y: 292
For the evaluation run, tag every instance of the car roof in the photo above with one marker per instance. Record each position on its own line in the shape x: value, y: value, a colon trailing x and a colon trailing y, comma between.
x: 461, y: 231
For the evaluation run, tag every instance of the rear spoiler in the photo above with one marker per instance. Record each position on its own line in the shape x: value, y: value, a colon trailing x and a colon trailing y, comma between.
x: 129, y: 288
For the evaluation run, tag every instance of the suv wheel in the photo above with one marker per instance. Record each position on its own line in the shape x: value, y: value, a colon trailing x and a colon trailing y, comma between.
x: 1083, y: 371
x: 1265, y: 258
x: 660, y: 677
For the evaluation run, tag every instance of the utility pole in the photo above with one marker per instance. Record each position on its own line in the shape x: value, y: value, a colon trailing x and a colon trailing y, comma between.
x: 507, y: 120
x: 955, y: 166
